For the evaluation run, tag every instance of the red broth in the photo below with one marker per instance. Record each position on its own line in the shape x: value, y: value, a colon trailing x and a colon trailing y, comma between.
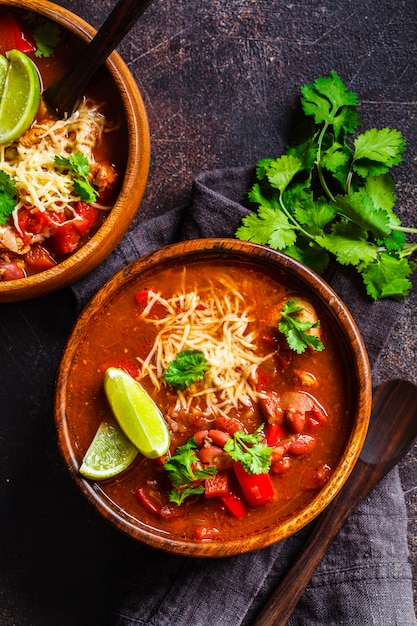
x: 38, y: 239
x: 120, y: 334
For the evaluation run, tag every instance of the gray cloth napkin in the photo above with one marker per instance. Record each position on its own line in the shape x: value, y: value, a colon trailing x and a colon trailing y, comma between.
x: 365, y: 578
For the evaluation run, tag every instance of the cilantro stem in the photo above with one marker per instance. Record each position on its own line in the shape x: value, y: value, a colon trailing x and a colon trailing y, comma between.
x: 407, y: 250
x: 318, y: 164
x: 294, y: 221
x: 403, y: 229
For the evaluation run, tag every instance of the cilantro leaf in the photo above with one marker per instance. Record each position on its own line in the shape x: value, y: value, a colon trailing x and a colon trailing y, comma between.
x: 188, y: 367
x: 281, y: 171
x: 385, y: 146
x: 249, y: 450
x: 184, y: 472
x: 78, y: 166
x: 349, y: 243
x: 296, y: 330
x: 46, y: 36
x: 359, y: 208
x: 270, y: 227
x: 179, y: 495
x: 182, y: 467
x: 7, y: 196
x: 387, y: 277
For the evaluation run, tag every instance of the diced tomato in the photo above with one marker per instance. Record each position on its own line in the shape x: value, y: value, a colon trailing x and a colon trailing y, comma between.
x: 66, y: 238
x: 33, y: 223
x: 235, y: 505
x: 257, y: 488
x: 128, y: 366
x: 205, y: 532
x: 38, y: 258
x: 274, y: 433
x: 262, y: 380
x: 87, y: 217
x: 142, y: 296
x: 217, y: 485
x: 14, y: 36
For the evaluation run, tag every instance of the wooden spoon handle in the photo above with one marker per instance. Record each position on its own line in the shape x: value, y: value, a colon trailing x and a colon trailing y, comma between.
x: 66, y: 94
x: 286, y: 595
x: 392, y: 432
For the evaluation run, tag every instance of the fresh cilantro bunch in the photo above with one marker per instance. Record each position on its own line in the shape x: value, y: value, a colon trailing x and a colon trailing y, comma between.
x: 296, y: 330
x: 331, y: 196
x: 250, y: 451
x: 185, y: 474
x: 79, y: 168
x: 7, y: 196
x: 188, y: 367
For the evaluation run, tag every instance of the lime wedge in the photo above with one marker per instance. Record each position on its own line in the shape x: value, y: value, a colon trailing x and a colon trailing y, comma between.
x: 136, y: 413
x: 4, y: 66
x: 109, y: 453
x: 21, y: 96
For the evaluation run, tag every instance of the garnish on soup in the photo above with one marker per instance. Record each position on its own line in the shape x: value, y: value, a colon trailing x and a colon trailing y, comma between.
x: 261, y: 426
x: 58, y: 178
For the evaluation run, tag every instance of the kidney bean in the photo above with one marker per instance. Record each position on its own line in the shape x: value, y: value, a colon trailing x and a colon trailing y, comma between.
x: 282, y: 466
x: 296, y: 420
x: 214, y: 455
x: 218, y: 437
x: 11, y: 271
x: 302, y: 444
x: 199, y: 437
x: 229, y: 424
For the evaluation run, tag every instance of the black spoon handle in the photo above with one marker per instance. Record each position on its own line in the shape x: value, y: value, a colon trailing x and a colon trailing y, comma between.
x: 394, y: 421
x: 65, y: 95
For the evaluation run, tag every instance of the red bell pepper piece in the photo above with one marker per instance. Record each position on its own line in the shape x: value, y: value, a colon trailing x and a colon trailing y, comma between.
x: 217, y: 485
x: 13, y: 36
x: 273, y: 433
x: 142, y: 296
x: 257, y: 488
x: 235, y: 505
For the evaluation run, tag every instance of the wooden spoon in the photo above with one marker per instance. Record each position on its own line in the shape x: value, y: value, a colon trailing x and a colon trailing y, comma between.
x: 64, y: 96
x: 392, y: 432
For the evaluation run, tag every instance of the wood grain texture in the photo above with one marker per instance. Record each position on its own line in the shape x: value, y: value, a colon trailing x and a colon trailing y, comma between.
x: 220, y: 81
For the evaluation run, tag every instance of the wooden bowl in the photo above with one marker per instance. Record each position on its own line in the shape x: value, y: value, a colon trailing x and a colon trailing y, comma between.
x: 71, y: 423
x: 138, y: 156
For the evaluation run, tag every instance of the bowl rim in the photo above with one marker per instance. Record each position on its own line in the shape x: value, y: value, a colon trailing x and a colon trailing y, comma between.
x: 202, y: 249
x: 133, y: 187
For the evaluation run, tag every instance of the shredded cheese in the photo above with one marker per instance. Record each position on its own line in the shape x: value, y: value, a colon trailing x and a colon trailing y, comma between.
x: 40, y: 183
x: 219, y: 326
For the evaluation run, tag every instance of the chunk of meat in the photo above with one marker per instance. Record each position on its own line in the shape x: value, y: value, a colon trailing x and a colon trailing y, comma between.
x: 291, y: 408
x: 308, y: 314
x: 103, y: 176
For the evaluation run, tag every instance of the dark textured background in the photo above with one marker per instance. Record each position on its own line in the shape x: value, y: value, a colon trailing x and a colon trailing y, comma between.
x: 220, y: 80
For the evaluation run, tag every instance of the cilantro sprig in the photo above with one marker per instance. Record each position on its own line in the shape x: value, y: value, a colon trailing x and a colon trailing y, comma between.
x: 250, y: 451
x: 296, y: 329
x: 46, y: 34
x: 185, y: 473
x: 79, y: 168
x: 188, y: 367
x: 7, y: 196
x: 329, y: 196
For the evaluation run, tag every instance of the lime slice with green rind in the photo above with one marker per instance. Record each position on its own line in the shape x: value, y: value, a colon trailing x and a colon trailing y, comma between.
x: 4, y: 66
x: 136, y: 413
x: 109, y: 454
x: 21, y: 96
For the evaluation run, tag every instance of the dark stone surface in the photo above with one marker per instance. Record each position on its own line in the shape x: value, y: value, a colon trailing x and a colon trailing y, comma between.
x: 220, y: 81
